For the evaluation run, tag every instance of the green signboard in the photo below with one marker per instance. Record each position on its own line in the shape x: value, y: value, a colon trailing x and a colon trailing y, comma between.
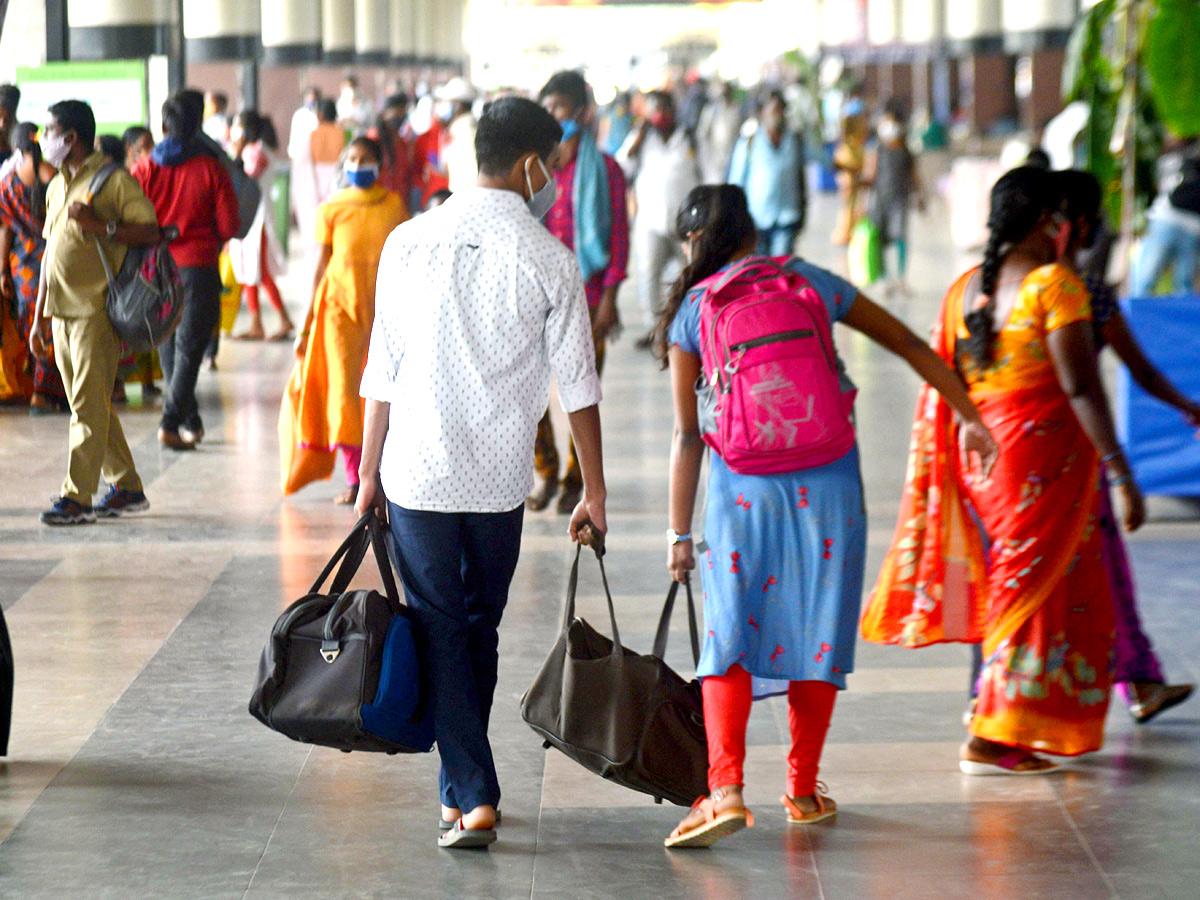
x: 116, y: 91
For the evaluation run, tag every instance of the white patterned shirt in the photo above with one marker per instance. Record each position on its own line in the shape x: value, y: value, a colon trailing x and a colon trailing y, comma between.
x: 476, y: 303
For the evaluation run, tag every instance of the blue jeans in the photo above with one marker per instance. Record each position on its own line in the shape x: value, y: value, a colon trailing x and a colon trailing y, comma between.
x: 778, y: 240
x: 456, y: 569
x: 1166, y: 244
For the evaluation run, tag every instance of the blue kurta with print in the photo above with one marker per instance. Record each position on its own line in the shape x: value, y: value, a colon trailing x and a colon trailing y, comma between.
x: 783, y: 573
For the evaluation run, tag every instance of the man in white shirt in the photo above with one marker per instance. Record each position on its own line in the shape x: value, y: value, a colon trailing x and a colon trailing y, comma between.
x: 659, y: 159
x: 477, y: 304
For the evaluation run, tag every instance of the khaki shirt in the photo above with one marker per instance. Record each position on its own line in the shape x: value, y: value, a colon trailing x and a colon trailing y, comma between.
x: 75, y: 281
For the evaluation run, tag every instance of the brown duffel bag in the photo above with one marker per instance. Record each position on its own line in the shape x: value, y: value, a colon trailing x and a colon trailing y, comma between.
x: 625, y: 716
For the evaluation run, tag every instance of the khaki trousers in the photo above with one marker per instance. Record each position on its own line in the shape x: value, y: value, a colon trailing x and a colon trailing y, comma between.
x: 87, y: 350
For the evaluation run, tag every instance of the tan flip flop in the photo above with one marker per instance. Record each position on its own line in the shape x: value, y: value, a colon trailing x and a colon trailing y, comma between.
x: 714, y: 825
x: 826, y: 808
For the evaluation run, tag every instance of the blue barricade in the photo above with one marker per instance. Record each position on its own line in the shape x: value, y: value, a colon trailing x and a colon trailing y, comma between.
x: 1161, y: 446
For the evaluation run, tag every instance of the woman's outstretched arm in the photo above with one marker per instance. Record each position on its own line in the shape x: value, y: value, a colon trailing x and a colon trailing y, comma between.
x: 889, y: 332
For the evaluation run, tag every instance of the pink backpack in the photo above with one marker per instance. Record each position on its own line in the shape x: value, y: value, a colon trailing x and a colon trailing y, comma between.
x: 770, y: 400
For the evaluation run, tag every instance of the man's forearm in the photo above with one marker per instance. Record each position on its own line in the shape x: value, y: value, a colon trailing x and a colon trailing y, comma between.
x: 585, y: 429
x: 375, y: 430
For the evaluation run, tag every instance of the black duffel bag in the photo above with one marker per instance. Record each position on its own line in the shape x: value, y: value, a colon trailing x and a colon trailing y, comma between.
x: 344, y: 669
x: 627, y: 717
x: 6, y: 685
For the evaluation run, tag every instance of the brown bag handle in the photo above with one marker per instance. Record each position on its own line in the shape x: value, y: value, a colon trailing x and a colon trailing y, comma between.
x: 573, y: 586
x: 664, y: 623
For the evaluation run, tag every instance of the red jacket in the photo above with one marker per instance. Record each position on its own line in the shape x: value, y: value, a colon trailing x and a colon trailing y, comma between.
x: 196, y: 196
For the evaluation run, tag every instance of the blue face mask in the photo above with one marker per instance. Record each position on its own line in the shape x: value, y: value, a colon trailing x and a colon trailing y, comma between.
x: 362, y: 176
x: 570, y: 128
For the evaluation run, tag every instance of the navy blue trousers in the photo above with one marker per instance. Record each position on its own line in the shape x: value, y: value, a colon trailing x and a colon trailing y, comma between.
x: 456, y: 569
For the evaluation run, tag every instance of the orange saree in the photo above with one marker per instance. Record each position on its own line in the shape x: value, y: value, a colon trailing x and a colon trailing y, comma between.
x: 321, y: 409
x: 1043, y: 610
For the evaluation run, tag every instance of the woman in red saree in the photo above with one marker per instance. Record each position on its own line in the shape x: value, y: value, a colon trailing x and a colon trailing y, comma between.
x: 1019, y: 329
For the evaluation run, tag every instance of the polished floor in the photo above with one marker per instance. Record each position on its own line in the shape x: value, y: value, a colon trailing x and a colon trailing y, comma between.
x: 135, y: 771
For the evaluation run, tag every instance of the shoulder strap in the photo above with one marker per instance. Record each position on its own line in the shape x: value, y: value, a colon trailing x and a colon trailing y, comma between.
x: 96, y: 185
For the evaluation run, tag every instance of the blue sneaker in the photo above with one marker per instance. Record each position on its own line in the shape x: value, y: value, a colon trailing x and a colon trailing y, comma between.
x: 65, y: 511
x: 120, y: 502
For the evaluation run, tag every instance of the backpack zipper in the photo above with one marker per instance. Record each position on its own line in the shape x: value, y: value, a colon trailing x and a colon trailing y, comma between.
x: 776, y: 338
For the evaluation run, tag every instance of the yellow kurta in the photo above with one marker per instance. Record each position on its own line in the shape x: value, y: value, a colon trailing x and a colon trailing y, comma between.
x: 322, y: 409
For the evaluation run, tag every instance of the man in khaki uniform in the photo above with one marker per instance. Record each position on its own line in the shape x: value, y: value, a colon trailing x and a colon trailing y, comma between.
x: 71, y: 295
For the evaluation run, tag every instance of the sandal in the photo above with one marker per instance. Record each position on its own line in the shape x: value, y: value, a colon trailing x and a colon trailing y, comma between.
x: 1015, y: 762
x: 709, y: 825
x: 460, y: 838
x: 826, y: 808
x: 1148, y: 700
x: 348, y: 497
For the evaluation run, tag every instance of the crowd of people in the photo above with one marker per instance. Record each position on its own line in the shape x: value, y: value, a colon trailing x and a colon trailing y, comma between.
x: 456, y: 267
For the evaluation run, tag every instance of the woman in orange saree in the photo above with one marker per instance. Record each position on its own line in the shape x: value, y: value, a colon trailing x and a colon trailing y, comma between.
x: 321, y: 411
x: 1019, y: 330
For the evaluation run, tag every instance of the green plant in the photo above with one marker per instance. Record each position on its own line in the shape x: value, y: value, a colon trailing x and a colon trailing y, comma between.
x: 1164, y: 52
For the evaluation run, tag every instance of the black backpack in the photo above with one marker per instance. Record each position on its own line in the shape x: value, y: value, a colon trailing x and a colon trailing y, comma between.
x: 145, y: 298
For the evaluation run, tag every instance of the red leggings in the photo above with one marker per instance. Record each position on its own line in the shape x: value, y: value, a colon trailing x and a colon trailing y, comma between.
x: 727, y: 700
x: 250, y: 291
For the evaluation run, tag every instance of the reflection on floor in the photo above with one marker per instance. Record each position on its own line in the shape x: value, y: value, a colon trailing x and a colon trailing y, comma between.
x: 135, y: 771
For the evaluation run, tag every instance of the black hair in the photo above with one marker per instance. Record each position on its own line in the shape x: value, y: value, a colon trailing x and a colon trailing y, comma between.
x: 662, y: 99
x: 1018, y: 201
x: 76, y: 116
x: 112, y: 147
x: 326, y: 110
x: 220, y: 101
x: 193, y: 100
x: 371, y: 145
x: 772, y: 95
x: 1038, y: 159
x: 252, y: 125
x: 895, y: 108
x: 508, y: 129
x: 270, y: 137
x: 569, y: 84
x: 24, y: 138
x: 133, y: 134
x: 10, y: 98
x: 720, y: 216
x: 395, y: 101
x: 179, y: 118
x: 1081, y: 194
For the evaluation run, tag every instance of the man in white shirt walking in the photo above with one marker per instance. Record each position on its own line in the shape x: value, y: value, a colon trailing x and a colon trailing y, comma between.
x: 477, y: 304
x: 659, y: 159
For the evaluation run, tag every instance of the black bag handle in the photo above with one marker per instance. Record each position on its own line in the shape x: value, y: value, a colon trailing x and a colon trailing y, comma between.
x: 368, y: 531
x: 664, y: 623
x: 352, y: 550
x: 372, y: 529
x: 572, y: 587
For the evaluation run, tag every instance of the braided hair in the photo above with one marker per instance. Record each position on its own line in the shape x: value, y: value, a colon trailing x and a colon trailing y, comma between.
x: 720, y: 217
x: 1018, y: 201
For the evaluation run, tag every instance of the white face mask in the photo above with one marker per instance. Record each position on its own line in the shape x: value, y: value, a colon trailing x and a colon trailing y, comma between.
x: 888, y: 130
x: 539, y: 202
x: 55, y: 148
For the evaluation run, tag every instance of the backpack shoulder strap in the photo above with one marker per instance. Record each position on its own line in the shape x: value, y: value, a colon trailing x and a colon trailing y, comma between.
x: 96, y: 185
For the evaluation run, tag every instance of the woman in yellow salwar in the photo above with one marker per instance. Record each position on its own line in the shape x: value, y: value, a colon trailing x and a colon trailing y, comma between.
x: 1041, y: 604
x: 322, y: 411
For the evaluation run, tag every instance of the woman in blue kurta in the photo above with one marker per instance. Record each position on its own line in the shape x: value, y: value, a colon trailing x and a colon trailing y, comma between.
x: 783, y: 566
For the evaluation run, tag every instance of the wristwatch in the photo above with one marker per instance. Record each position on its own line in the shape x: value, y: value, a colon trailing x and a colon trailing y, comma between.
x: 110, y: 228
x: 674, y: 537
